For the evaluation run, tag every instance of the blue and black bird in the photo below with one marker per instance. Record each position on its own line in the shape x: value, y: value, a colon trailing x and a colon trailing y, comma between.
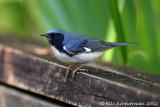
x: 77, y: 49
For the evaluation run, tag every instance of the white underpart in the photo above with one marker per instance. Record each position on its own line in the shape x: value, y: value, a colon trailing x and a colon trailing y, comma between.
x: 79, y: 58
x: 87, y: 49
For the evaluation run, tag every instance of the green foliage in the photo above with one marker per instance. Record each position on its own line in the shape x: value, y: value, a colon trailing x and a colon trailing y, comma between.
x: 110, y: 20
x: 119, y: 28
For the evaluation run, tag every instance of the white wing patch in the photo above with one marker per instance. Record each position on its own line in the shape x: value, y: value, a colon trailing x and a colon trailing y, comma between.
x: 87, y: 49
x: 65, y: 48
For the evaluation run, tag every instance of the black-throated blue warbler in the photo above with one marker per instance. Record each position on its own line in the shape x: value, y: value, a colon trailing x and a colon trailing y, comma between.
x: 77, y: 49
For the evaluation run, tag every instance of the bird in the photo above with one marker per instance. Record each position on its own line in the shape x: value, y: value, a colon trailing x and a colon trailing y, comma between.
x: 77, y: 49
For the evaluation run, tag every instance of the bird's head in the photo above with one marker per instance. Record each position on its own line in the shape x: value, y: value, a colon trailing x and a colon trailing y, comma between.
x: 55, y: 37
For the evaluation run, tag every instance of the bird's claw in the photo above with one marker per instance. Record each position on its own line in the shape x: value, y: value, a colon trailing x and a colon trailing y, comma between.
x: 74, y: 70
x: 73, y: 73
x: 68, y: 69
x: 82, y: 70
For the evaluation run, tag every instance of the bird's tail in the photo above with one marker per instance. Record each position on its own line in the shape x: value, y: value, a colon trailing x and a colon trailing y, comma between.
x: 119, y: 44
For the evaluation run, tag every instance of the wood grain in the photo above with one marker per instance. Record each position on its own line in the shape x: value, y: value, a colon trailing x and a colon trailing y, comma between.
x: 46, y: 78
x: 11, y: 97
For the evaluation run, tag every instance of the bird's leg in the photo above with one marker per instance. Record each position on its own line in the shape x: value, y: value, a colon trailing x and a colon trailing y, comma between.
x: 78, y: 68
x: 70, y: 67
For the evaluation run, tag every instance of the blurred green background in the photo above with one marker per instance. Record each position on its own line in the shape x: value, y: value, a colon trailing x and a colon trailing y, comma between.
x: 110, y: 20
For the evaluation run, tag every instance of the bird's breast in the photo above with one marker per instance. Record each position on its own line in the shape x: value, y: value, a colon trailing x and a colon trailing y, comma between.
x: 79, y: 58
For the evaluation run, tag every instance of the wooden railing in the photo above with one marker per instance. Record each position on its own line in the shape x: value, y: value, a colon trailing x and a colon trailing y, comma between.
x: 28, y: 79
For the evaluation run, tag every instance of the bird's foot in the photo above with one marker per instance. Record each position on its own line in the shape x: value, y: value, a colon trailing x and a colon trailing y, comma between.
x: 74, y: 70
x: 83, y: 70
x: 68, y: 69
x: 73, y: 73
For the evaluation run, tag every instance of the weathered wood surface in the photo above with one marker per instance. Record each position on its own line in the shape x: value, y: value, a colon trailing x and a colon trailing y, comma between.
x: 10, y: 97
x: 95, y: 88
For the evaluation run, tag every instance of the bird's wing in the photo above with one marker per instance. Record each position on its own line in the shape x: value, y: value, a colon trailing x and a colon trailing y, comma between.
x: 86, y: 45
x: 75, y: 46
x: 98, y: 45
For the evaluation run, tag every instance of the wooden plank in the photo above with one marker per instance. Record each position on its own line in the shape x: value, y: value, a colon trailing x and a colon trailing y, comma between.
x: 11, y: 97
x: 87, y: 89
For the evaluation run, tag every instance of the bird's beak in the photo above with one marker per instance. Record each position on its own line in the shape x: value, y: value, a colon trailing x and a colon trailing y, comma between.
x: 44, y: 35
